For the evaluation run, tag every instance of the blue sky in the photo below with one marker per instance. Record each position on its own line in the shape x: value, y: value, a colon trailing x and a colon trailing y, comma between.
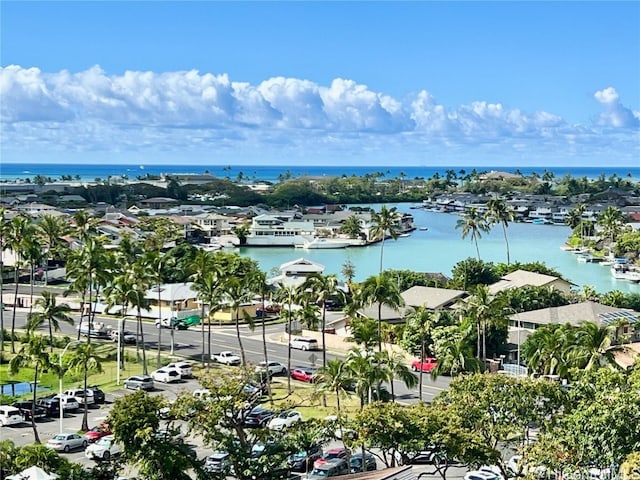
x: 413, y: 83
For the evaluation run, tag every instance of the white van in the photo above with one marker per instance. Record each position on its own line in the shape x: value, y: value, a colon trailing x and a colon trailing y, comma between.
x: 304, y: 343
x: 79, y: 394
x: 10, y: 415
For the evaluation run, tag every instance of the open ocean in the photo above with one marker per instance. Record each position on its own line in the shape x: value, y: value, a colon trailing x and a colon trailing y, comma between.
x: 13, y: 171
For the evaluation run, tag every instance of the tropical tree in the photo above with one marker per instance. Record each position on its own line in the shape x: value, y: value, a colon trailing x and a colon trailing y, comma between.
x: 349, y: 272
x: 51, y: 312
x: 237, y: 292
x: 485, y: 310
x: 321, y: 288
x: 385, y: 223
x: 4, y: 229
x: 394, y: 364
x: 334, y: 377
x: 86, y: 357
x: 351, y: 227
x: 205, y: 283
x: 32, y: 354
x: 611, y: 221
x: 362, y: 368
x: 15, y: 235
x: 500, y: 212
x: 51, y: 230
x: 455, y: 355
x: 141, y: 277
x: 380, y: 290
x: 594, y: 346
x: 422, y: 321
x: 364, y: 332
x: 473, y: 224
x: 288, y: 295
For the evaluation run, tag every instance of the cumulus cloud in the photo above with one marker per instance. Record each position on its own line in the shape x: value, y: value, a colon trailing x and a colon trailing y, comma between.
x: 190, y: 110
x: 615, y: 114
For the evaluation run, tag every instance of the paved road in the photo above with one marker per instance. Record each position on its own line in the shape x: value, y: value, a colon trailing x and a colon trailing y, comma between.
x: 188, y: 344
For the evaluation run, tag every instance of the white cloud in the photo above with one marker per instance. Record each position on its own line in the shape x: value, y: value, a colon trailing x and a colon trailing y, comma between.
x: 190, y: 111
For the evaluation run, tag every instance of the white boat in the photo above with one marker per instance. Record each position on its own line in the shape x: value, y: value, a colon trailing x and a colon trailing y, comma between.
x: 323, y: 243
x: 423, y: 228
x: 622, y: 271
x: 404, y: 235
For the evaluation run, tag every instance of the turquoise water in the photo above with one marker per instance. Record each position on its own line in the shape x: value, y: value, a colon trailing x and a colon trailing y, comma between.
x: 440, y: 247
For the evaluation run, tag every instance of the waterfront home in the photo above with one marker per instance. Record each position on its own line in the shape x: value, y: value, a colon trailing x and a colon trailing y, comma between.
x: 524, y: 278
x: 272, y: 231
x: 211, y: 224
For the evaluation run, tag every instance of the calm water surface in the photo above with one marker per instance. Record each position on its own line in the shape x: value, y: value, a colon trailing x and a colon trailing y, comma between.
x: 440, y: 247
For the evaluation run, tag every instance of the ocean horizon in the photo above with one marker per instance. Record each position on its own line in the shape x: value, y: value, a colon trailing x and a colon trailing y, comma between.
x: 272, y: 173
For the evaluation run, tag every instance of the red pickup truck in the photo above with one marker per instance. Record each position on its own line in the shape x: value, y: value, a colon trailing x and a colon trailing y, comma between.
x: 424, y: 365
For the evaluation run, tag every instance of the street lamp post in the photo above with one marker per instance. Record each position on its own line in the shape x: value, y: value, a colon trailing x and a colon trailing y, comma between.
x: 61, y: 410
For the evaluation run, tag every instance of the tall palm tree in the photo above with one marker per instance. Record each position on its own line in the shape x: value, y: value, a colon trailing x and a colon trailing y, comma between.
x: 32, y: 354
x: 33, y: 256
x: 15, y: 235
x: 204, y: 284
x: 364, y: 332
x: 611, y: 221
x: 52, y: 312
x: 395, y: 365
x: 335, y: 378
x: 288, y: 295
x: 499, y: 211
x: 51, y: 230
x: 423, y: 320
x: 385, y: 223
x: 472, y: 224
x: 141, y: 279
x: 455, y: 356
x: 210, y: 290
x: 380, y: 290
x: 117, y: 295
x: 322, y: 288
x: 86, y: 357
x: 4, y: 229
x: 362, y: 367
x: 485, y: 310
x: 351, y: 227
x: 237, y: 292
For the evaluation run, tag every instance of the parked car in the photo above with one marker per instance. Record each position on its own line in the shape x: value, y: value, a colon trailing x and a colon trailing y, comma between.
x: 51, y: 405
x: 332, y: 468
x: 285, y: 419
x: 139, y: 382
x: 25, y: 408
x: 258, y: 416
x: 304, y: 374
x: 302, y: 461
x: 65, y: 442
x: 10, y: 416
x: 425, y: 365
x: 97, y: 432
x: 128, y: 337
x: 333, y: 453
x: 304, y: 343
x: 483, y: 473
x: 166, y: 375
x: 98, y: 394
x: 355, y: 463
x: 68, y: 402
x: 185, y: 368
x: 218, y: 462
x: 103, y: 449
x: 274, y: 368
x: 80, y: 394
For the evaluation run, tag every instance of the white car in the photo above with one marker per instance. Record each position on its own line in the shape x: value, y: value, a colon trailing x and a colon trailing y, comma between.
x: 68, y: 402
x: 166, y: 375
x: 274, y: 368
x: 80, y: 394
x: 484, y: 473
x: 65, y: 442
x: 285, y: 419
x: 103, y: 449
x: 185, y: 368
x: 10, y: 415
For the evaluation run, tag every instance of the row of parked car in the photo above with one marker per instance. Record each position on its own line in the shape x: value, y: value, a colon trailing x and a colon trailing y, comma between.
x: 49, y: 406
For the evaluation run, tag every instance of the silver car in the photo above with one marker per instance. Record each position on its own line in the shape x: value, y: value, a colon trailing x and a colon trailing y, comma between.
x: 65, y: 442
x: 139, y: 382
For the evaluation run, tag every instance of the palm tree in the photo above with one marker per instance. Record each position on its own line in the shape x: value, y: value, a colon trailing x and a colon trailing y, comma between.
x: 611, y: 221
x: 499, y: 211
x: 15, y: 234
x: 424, y: 320
x: 205, y: 284
x: 364, y: 332
x: 322, y: 288
x: 210, y: 291
x: 86, y: 357
x: 33, y: 256
x: 485, y: 310
x: 473, y: 224
x: 51, y: 230
x: 156, y: 263
x: 362, y: 367
x: 50, y: 312
x: 238, y: 293
x: 141, y: 278
x: 385, y: 223
x: 4, y: 230
x: 380, y: 290
x: 117, y: 294
x: 288, y: 295
x: 593, y: 347
x: 32, y: 354
x: 455, y: 355
x: 395, y: 365
x: 334, y: 377
x: 349, y: 272
x: 351, y: 227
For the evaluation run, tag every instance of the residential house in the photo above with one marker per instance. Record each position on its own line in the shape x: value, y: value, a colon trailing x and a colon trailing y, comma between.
x: 524, y: 278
